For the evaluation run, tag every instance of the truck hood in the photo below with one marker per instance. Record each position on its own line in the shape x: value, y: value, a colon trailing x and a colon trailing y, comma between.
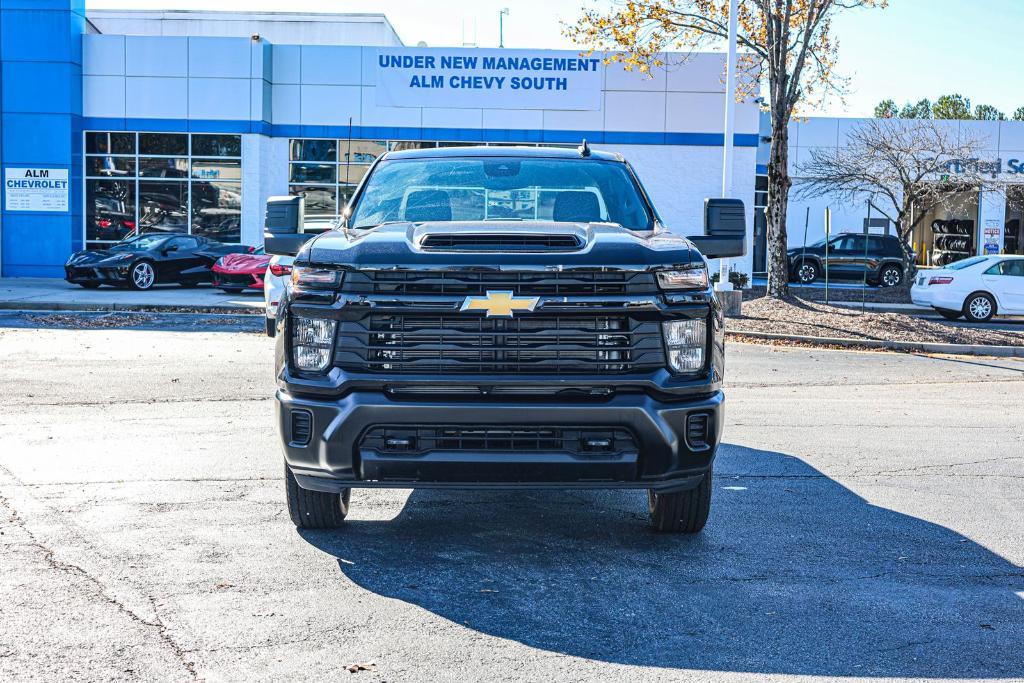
x: 498, y: 245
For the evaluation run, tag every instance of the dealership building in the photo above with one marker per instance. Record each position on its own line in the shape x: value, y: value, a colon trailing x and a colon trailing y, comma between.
x: 117, y: 122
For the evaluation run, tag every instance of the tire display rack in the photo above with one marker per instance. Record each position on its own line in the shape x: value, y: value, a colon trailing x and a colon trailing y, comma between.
x: 952, y: 240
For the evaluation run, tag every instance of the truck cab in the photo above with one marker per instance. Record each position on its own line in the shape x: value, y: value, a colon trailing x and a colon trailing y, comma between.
x: 497, y: 317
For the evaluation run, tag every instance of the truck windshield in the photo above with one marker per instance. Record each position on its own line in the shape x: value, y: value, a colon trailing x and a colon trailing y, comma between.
x: 501, y: 189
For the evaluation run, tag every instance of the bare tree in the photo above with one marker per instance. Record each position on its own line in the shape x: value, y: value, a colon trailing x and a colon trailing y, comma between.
x: 791, y: 40
x: 907, y: 166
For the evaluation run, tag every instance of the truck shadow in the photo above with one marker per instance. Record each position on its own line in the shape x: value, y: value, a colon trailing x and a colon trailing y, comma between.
x: 795, y: 574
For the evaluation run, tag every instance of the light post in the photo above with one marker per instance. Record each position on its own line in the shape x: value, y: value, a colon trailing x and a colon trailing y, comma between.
x: 501, y: 26
x: 724, y: 284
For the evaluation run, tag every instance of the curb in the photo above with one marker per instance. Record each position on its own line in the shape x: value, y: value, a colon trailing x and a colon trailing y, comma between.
x: 923, y: 347
x: 906, y: 309
x: 31, y: 305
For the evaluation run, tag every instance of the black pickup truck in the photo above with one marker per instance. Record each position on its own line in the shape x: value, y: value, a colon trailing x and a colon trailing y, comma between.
x: 498, y: 317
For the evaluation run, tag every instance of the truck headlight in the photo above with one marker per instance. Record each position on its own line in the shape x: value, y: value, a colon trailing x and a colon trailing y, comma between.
x: 305, y: 278
x: 686, y: 341
x: 693, y: 277
x: 312, y: 343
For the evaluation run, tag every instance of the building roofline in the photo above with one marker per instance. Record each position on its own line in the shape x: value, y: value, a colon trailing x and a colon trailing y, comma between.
x: 172, y: 13
x: 513, y: 152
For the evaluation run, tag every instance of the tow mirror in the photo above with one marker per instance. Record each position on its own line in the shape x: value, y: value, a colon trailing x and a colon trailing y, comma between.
x: 725, y: 229
x: 282, y: 228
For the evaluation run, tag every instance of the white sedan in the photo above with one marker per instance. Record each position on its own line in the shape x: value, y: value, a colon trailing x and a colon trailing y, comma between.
x: 976, y: 288
x: 279, y: 274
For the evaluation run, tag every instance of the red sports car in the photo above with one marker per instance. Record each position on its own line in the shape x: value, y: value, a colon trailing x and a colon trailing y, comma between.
x: 238, y: 272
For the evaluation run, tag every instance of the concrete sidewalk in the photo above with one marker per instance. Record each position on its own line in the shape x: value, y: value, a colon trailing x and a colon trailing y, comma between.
x: 48, y: 294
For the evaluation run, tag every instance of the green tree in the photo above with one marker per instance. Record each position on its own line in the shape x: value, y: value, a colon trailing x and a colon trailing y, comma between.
x: 921, y: 110
x: 1019, y: 114
x: 789, y: 41
x: 954, y: 106
x: 986, y: 112
x: 886, y: 109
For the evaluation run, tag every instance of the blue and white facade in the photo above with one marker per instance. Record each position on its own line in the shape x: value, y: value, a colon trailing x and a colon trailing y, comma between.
x: 158, y: 128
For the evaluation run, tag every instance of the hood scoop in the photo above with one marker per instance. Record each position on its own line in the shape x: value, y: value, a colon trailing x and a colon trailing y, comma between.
x: 491, y: 240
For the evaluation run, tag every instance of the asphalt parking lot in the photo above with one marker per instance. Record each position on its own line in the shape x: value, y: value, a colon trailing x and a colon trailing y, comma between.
x: 867, y: 523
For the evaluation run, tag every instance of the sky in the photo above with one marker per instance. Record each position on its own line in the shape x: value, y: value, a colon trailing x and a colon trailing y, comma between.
x: 911, y: 50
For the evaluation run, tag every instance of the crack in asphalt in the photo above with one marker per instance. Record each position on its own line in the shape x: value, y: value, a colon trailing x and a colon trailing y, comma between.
x: 921, y: 468
x: 846, y: 383
x: 51, y: 560
x: 147, y: 401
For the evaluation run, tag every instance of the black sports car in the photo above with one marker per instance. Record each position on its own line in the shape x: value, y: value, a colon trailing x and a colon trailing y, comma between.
x: 143, y: 261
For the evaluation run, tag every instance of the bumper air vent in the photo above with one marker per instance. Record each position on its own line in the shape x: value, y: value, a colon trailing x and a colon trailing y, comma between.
x: 302, y: 427
x: 500, y: 242
x: 698, y: 435
x: 577, y: 441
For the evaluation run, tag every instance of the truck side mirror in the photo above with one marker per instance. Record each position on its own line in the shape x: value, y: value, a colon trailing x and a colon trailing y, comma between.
x: 725, y: 229
x: 282, y: 228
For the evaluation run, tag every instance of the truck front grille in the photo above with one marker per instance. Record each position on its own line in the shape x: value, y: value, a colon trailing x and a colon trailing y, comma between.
x: 521, y: 283
x: 471, y: 344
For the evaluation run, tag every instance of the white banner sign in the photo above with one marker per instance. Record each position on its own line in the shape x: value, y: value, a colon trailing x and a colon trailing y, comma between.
x: 36, y: 189
x: 470, y: 78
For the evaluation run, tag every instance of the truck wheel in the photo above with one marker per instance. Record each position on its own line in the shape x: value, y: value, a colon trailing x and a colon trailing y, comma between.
x: 681, y: 511
x: 314, y: 509
x: 271, y: 327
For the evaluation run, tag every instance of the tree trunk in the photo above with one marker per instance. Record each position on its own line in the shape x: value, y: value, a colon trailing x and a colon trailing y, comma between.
x: 775, y: 213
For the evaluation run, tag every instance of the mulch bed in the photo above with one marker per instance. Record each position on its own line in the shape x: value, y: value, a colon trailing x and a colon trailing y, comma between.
x: 88, y: 321
x: 877, y: 295
x: 796, y: 316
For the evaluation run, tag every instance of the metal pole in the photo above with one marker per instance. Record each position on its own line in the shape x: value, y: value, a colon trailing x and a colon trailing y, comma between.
x: 730, y: 105
x: 864, y: 283
x: 828, y: 234
x: 501, y: 26
x: 807, y: 222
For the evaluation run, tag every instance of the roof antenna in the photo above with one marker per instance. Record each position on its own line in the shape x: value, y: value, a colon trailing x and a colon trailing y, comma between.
x: 584, y: 149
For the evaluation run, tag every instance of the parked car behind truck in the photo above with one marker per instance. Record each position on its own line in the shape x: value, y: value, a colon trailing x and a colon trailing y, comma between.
x: 500, y: 318
x: 880, y: 259
x: 976, y: 288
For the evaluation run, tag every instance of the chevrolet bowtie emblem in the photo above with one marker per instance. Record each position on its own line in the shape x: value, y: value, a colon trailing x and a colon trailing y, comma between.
x: 499, y: 304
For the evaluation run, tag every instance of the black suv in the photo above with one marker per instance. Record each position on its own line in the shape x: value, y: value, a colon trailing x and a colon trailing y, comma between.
x: 499, y: 317
x: 847, y: 259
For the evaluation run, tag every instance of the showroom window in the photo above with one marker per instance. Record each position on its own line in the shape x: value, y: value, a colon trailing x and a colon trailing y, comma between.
x: 327, y: 171
x: 162, y: 182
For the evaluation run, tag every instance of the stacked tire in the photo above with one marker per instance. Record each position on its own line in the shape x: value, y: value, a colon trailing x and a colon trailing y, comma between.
x: 953, y: 240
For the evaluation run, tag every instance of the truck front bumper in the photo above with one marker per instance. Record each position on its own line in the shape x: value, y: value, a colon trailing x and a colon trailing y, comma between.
x: 331, y: 445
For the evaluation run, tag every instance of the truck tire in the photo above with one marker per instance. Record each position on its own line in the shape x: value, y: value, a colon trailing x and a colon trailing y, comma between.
x: 314, y: 509
x: 271, y: 327
x: 681, y: 511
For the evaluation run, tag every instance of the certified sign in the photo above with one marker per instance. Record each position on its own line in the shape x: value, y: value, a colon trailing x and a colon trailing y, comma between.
x: 488, y: 79
x: 36, y: 189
